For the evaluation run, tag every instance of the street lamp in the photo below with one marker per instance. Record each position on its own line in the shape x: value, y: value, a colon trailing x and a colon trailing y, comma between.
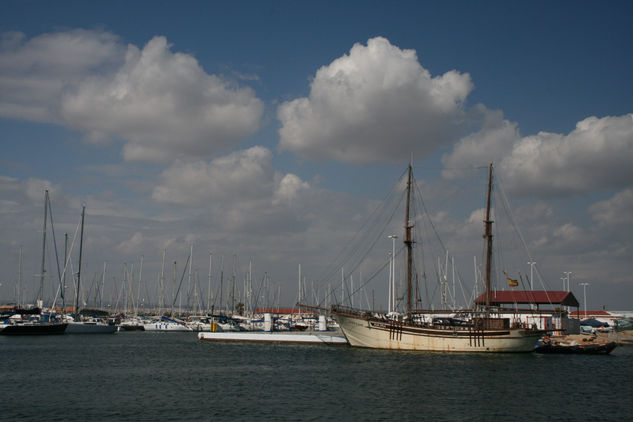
x: 567, y: 273
x: 390, y: 273
x: 584, y: 289
x: 531, y: 264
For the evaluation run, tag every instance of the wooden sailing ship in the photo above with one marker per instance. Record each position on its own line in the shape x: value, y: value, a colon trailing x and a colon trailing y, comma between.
x: 474, y: 330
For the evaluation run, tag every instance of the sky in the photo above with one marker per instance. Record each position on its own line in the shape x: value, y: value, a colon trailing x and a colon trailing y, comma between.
x: 262, y: 134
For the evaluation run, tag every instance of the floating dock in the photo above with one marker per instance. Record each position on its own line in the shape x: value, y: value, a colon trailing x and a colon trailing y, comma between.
x: 324, y: 338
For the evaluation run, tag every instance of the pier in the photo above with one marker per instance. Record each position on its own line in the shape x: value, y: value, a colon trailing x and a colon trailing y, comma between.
x: 324, y: 338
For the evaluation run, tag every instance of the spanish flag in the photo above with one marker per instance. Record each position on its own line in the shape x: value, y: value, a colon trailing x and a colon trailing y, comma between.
x: 512, y: 282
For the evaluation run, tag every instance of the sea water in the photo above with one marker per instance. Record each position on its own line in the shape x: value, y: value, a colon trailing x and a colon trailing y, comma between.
x: 142, y: 376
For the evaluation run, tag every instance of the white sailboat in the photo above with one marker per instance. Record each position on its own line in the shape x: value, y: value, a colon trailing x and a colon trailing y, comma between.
x: 473, y: 330
x: 166, y: 324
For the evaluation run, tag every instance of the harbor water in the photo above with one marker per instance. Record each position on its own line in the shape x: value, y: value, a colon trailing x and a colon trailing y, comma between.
x: 142, y: 376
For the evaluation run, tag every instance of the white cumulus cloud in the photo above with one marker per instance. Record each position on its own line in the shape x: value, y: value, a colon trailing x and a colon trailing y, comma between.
x: 376, y: 103
x: 492, y: 142
x: 288, y: 188
x: 160, y: 103
x: 164, y: 105
x: 247, y: 173
x: 34, y: 73
x: 244, y: 177
x: 595, y: 156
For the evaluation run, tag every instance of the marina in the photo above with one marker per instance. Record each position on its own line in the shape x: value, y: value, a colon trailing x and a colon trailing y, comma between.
x: 307, y: 211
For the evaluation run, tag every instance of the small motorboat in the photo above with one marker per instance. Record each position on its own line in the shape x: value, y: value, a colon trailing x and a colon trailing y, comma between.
x: 588, y: 347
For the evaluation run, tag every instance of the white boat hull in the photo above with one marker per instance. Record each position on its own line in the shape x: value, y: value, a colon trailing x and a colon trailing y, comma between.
x: 378, y: 334
x: 165, y: 326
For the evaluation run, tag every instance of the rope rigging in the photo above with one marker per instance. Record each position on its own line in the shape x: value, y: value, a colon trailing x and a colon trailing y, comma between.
x: 428, y: 245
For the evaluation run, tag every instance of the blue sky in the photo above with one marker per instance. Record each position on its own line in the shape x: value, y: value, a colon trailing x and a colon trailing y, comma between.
x: 268, y: 130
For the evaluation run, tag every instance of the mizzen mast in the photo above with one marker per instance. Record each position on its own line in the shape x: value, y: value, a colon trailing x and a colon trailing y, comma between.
x: 488, y: 237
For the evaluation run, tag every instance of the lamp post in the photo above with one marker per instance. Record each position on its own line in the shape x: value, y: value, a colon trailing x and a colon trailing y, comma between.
x: 567, y: 273
x: 584, y: 289
x: 390, y: 273
x: 392, y: 286
x: 531, y: 264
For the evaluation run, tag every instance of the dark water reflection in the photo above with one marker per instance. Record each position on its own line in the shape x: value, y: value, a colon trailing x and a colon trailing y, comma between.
x: 138, y: 376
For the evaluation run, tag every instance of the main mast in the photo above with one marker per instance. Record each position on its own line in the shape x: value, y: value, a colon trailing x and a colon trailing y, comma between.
x: 488, y: 237
x: 408, y: 241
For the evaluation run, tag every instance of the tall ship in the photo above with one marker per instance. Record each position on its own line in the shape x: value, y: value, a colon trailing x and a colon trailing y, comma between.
x: 479, y: 329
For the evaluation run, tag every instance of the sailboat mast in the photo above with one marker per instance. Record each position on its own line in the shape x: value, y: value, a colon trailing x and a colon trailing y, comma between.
x: 81, y: 242
x: 488, y: 237
x: 18, y: 299
x: 40, y: 293
x: 408, y: 241
x: 63, y: 296
x: 209, y: 289
x: 161, y: 299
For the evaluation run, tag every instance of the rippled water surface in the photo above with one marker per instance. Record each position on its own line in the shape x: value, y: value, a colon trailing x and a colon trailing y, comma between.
x: 137, y: 376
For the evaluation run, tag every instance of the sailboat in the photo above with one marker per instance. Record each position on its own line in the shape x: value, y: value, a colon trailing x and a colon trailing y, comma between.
x: 33, y: 321
x: 81, y: 325
x: 475, y: 330
x: 166, y: 324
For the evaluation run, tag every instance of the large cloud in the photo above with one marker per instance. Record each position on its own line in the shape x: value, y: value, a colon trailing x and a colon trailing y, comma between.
x: 242, y: 177
x: 595, y: 156
x: 34, y: 73
x: 376, y: 103
x: 162, y: 104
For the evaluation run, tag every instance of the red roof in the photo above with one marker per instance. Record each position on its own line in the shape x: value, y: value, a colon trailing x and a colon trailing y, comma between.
x: 539, y: 297
x: 590, y: 313
x: 281, y: 311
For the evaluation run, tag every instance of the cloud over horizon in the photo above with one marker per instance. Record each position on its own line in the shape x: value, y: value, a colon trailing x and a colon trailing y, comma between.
x: 593, y: 157
x: 161, y: 104
x: 236, y: 190
x: 248, y: 174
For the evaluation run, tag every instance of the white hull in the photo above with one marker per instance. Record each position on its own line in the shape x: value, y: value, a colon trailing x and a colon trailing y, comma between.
x: 199, y: 326
x: 165, y: 326
x: 383, y: 334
